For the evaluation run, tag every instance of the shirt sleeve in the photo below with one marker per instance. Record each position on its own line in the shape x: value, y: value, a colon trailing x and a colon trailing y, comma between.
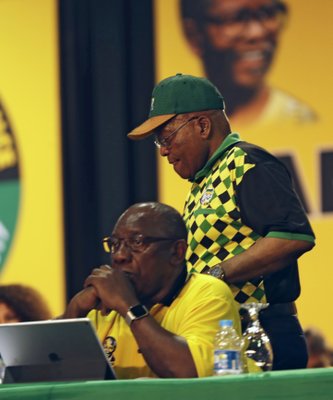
x: 212, y: 303
x: 269, y: 204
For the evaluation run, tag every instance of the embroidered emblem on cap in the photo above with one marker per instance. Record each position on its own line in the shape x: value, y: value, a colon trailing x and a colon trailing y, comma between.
x: 152, y: 104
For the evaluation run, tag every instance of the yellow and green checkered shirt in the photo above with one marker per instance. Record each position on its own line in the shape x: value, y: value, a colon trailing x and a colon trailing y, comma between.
x: 244, y: 193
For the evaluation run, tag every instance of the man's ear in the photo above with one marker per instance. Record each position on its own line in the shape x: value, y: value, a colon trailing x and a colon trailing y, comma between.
x: 205, y: 125
x: 178, y: 251
x: 193, y: 36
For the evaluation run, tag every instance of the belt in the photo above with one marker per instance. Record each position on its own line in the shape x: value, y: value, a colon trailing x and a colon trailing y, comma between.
x: 279, y: 310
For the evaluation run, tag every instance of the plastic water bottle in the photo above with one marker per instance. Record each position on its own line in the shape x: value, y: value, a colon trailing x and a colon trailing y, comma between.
x: 227, y: 350
x: 2, y: 370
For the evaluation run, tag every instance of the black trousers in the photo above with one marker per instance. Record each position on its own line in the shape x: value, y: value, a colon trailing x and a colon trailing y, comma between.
x: 287, y: 340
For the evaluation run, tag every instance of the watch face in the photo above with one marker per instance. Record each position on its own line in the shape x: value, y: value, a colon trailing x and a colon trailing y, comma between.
x: 139, y: 311
x: 216, y: 271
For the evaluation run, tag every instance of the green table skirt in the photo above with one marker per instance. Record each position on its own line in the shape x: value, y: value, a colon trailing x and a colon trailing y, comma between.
x: 315, y: 384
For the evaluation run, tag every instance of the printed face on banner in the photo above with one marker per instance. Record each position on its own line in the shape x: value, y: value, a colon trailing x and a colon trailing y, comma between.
x: 236, y: 42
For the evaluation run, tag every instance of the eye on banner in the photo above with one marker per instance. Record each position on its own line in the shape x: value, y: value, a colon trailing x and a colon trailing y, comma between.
x: 292, y: 117
x: 31, y: 232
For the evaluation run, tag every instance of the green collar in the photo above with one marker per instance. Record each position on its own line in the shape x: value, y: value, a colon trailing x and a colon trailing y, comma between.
x: 229, y: 141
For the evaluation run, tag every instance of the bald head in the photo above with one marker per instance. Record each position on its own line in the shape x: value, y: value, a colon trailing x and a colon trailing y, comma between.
x: 155, y: 219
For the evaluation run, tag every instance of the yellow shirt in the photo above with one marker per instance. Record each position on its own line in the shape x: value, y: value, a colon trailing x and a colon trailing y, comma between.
x: 282, y: 108
x: 194, y: 314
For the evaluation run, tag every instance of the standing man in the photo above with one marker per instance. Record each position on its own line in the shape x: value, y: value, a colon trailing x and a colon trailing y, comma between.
x: 153, y: 317
x: 237, y: 40
x: 245, y: 223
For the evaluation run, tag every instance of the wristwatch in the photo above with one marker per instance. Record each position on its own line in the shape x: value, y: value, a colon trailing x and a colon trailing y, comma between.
x: 218, y: 272
x: 136, y: 312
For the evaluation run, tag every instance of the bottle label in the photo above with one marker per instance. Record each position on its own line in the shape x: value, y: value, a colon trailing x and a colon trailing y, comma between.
x: 227, y: 362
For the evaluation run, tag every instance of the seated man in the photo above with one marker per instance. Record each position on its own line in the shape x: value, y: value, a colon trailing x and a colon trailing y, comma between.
x: 154, y: 319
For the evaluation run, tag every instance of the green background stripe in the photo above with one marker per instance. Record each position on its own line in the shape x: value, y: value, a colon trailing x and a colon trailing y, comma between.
x: 9, y: 204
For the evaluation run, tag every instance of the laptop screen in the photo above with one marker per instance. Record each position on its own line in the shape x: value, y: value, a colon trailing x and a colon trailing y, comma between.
x: 52, y: 350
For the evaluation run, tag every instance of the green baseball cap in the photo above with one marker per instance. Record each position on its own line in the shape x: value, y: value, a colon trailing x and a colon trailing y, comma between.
x: 178, y: 94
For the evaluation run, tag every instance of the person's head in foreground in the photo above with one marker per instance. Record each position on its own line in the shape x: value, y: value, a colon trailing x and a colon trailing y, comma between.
x: 320, y: 353
x: 144, y: 235
x: 153, y: 318
x: 188, y: 119
x: 20, y: 303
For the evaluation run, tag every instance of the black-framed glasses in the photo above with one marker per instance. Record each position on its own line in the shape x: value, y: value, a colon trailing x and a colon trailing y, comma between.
x: 271, y: 16
x: 165, y: 142
x: 136, y: 243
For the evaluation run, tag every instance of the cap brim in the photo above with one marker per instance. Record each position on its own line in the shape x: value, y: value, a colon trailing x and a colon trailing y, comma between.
x: 148, y: 126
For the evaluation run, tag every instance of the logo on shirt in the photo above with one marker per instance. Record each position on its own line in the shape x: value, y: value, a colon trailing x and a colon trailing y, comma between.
x: 207, y: 196
x: 110, y: 345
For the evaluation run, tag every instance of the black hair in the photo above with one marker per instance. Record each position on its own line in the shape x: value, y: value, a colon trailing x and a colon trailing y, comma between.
x: 26, y: 302
x: 196, y: 9
x: 193, y: 9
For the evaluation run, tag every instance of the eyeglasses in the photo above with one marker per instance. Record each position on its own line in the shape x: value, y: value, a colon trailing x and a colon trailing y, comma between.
x: 165, y: 142
x: 272, y: 17
x: 136, y: 243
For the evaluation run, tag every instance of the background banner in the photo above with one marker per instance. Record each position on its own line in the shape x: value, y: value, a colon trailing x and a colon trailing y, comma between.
x: 293, y: 119
x: 31, y: 233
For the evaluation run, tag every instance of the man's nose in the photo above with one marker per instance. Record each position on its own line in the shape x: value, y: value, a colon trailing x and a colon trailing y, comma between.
x: 122, y: 254
x: 255, y: 29
x: 164, y: 151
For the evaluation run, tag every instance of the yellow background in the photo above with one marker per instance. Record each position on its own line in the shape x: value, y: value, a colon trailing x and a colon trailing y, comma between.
x: 29, y: 89
x: 303, y: 66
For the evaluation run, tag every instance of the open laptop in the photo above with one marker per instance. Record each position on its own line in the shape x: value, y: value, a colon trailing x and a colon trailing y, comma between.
x: 52, y: 350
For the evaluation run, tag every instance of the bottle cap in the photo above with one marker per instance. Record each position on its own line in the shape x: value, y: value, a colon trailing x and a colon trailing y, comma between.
x: 226, y: 322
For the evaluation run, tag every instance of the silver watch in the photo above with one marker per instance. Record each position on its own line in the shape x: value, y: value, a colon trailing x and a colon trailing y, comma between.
x: 136, y: 312
x: 218, y: 272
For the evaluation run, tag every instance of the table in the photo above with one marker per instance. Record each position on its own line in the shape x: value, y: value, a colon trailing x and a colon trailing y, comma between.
x: 314, y: 384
